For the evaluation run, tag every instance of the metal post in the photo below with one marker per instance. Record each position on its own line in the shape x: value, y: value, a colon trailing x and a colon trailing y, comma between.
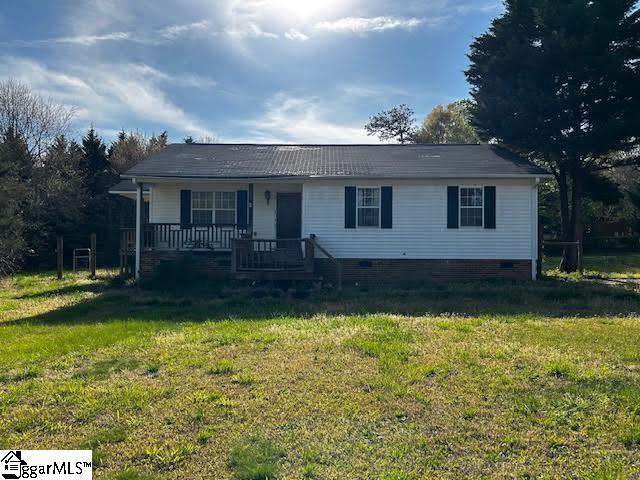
x: 60, y: 255
x: 92, y: 260
x: 139, y: 201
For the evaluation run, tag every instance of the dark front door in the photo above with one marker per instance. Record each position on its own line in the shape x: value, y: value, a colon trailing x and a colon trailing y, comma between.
x: 289, y: 215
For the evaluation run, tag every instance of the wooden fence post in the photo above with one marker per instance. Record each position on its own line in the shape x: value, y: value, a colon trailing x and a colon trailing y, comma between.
x: 92, y: 260
x: 60, y: 255
x: 309, y: 255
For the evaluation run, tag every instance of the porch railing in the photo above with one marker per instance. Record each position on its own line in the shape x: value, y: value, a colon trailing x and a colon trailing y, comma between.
x: 176, y: 236
x: 249, y: 254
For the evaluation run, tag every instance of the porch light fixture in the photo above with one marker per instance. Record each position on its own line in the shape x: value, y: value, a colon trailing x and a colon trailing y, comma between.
x: 267, y: 196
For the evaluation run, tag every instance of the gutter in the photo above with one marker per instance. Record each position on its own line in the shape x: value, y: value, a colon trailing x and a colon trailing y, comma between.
x: 266, y: 179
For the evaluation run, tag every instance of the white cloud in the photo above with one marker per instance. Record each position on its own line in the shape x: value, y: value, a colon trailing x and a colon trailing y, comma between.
x: 82, y: 40
x: 178, y: 80
x: 249, y: 30
x: 174, y: 31
x: 88, y: 40
x: 108, y: 94
x: 300, y: 119
x: 296, y: 35
x: 368, y: 24
x: 156, y: 37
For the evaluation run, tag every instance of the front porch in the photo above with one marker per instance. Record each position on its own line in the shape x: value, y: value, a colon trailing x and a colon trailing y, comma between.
x: 225, y: 249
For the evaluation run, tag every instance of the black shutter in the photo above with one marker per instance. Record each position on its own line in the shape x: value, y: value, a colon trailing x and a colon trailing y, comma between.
x: 452, y: 207
x: 489, y: 207
x: 386, y: 207
x: 185, y: 206
x: 242, y: 205
x: 349, y: 207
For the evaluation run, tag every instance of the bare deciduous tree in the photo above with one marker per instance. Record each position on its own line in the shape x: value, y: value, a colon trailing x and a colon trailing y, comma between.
x: 131, y: 149
x: 35, y: 119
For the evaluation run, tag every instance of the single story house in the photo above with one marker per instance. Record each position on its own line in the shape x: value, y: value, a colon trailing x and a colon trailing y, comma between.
x: 363, y: 213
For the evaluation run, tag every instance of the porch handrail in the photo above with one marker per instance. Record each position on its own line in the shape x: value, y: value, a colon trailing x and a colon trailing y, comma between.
x: 187, y: 236
x: 335, y: 261
x: 269, y: 254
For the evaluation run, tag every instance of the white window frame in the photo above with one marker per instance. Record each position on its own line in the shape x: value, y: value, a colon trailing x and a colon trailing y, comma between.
x: 214, y: 208
x: 379, y: 207
x: 460, y: 207
x: 234, y: 209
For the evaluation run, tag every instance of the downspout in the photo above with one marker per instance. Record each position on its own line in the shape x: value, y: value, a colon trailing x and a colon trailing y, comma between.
x: 534, y: 229
x: 139, y: 203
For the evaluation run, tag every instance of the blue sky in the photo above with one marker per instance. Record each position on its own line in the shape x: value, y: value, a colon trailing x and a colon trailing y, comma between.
x: 289, y: 71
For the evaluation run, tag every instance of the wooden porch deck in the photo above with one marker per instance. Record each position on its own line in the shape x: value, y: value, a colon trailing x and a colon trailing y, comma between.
x: 250, y: 259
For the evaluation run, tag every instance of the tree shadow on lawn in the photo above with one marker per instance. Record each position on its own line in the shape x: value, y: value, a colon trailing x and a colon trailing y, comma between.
x: 505, y: 300
x: 94, y: 287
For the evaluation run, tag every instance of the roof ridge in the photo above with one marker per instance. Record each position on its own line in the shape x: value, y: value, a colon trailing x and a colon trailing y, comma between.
x: 333, y: 144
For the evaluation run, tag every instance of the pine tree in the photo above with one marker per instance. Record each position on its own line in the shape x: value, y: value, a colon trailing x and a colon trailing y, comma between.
x: 558, y: 83
x: 15, y: 172
x: 57, y: 199
x: 99, y: 176
x: 98, y: 172
x: 397, y: 124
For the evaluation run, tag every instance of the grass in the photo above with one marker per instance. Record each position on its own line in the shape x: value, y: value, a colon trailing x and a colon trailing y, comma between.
x: 622, y: 266
x: 468, y: 380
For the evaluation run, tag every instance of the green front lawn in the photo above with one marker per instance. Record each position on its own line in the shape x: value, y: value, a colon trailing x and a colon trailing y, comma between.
x: 471, y: 380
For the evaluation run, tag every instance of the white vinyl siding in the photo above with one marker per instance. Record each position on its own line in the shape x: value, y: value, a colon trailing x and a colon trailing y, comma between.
x: 165, y: 200
x: 420, y: 222
x: 419, y: 218
x: 165, y: 203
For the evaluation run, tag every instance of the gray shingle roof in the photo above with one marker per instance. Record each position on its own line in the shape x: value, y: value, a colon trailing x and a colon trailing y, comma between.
x: 331, y: 161
x: 125, y: 186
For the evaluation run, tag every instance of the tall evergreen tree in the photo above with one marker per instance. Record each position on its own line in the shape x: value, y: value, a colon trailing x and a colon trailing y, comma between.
x: 558, y: 83
x: 99, y: 176
x: 57, y: 198
x: 98, y: 172
x: 15, y: 173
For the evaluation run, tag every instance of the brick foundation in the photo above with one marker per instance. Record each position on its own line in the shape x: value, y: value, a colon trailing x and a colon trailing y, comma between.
x: 214, y: 264
x: 359, y: 270
x: 377, y: 271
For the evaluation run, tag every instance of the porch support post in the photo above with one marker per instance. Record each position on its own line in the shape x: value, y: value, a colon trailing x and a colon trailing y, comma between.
x: 139, y: 204
x: 251, y: 209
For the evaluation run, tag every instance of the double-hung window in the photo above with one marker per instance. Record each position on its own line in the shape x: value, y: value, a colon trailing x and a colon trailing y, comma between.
x: 471, y: 206
x: 368, y: 206
x: 202, y: 207
x: 225, y: 203
x: 213, y: 207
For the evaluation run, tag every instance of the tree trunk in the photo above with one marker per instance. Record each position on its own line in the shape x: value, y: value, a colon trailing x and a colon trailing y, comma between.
x: 572, y: 225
